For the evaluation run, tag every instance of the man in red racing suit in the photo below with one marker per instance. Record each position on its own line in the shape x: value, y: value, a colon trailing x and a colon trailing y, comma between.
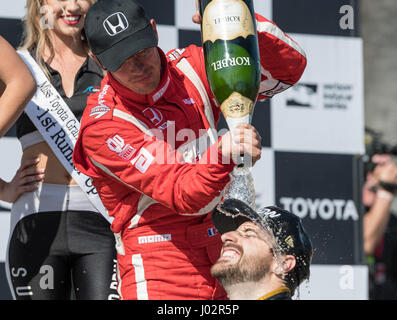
x: 160, y: 190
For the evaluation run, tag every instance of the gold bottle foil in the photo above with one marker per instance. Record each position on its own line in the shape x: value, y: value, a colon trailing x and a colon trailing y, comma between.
x: 237, y: 106
x: 227, y: 20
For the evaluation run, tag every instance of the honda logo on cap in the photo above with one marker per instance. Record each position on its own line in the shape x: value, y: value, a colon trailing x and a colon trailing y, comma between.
x: 115, y: 23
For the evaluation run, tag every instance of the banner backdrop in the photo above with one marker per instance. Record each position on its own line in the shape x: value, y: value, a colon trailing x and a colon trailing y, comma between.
x: 323, y: 112
x: 311, y: 133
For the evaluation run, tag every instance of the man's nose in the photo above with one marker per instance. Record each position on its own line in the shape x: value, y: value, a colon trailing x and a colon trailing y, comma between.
x: 231, y: 236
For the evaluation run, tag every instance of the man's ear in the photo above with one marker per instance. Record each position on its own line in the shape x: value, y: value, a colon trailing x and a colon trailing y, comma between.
x: 289, y: 262
x: 154, y: 26
x: 284, y: 265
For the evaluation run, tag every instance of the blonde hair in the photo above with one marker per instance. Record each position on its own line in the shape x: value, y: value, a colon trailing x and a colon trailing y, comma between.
x: 35, y: 36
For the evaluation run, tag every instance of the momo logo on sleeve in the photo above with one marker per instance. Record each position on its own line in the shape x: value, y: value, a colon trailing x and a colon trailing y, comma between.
x: 154, y: 238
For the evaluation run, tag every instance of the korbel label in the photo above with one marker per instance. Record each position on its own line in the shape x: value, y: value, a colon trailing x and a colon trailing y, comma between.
x: 231, y: 62
x: 237, y: 106
x: 227, y: 20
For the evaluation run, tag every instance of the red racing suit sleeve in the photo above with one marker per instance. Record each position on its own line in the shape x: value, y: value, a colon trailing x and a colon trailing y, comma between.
x: 150, y: 166
x: 283, y: 61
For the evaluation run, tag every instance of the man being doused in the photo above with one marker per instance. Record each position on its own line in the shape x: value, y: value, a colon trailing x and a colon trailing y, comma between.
x: 266, y: 254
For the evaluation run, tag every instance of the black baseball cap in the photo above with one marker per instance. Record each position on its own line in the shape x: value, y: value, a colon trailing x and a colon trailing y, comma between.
x: 284, y: 226
x: 116, y: 30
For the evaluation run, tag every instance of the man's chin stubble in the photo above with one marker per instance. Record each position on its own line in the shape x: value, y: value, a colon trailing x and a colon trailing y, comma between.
x: 227, y: 275
x: 232, y: 274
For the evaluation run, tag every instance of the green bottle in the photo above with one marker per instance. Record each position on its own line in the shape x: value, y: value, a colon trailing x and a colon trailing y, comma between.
x: 231, y: 55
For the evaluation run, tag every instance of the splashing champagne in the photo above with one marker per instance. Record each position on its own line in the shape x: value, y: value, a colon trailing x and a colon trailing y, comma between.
x: 232, y: 65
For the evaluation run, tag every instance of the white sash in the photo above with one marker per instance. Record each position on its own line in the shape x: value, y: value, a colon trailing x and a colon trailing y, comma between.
x: 59, y: 128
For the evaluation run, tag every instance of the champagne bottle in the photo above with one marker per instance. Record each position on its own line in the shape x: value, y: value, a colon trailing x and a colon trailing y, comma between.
x: 231, y: 56
x: 232, y: 66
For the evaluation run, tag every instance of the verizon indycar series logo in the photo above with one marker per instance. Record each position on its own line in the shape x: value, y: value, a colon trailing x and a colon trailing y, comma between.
x: 330, y: 96
x: 303, y: 95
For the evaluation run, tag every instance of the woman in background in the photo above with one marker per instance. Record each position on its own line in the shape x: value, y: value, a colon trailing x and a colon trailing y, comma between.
x: 17, y: 86
x: 59, y: 241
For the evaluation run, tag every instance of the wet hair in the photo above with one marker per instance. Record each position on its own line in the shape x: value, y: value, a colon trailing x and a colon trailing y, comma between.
x: 298, y: 274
